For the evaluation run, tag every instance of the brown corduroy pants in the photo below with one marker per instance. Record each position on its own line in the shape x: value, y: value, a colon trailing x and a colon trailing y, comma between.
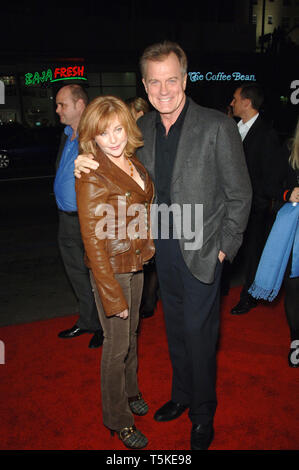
x: 119, y: 355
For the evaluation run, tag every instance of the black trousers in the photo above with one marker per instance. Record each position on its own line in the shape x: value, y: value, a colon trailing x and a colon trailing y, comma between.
x: 255, y: 236
x: 150, y: 293
x: 191, y: 311
x: 72, y: 253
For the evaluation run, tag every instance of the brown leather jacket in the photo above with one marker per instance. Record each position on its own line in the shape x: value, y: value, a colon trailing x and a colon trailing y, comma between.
x: 114, y: 241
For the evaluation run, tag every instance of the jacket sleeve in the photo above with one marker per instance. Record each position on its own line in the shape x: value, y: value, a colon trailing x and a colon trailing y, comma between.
x: 236, y: 186
x: 91, y: 192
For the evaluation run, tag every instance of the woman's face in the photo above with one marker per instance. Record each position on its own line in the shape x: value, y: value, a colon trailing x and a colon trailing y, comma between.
x: 113, y: 140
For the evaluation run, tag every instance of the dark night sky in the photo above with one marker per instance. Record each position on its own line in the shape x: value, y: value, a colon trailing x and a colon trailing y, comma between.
x: 38, y: 26
x: 115, y: 32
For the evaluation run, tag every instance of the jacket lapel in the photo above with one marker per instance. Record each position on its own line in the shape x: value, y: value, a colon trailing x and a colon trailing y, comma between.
x: 147, y: 153
x: 120, y: 177
x: 145, y: 176
x: 251, y: 133
x: 186, y: 142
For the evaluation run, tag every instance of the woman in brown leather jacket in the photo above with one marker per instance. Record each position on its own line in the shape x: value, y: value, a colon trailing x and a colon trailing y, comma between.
x: 114, y: 209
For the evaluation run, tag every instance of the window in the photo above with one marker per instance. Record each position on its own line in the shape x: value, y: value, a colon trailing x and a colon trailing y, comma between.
x: 121, y: 84
x: 118, y: 78
x: 253, y: 19
x: 8, y: 79
x: 270, y: 19
x: 10, y: 84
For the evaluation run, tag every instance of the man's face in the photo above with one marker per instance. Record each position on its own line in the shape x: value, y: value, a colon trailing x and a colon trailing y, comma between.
x: 239, y: 104
x: 165, y: 86
x: 68, y: 110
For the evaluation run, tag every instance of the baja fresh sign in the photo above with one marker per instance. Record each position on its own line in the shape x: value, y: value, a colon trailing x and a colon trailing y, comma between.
x: 59, y: 73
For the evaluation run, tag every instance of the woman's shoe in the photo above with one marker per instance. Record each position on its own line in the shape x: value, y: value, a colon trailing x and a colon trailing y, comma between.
x: 132, y: 437
x: 138, y: 405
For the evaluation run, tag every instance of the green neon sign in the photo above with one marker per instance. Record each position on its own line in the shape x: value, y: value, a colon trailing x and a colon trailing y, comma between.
x: 59, y: 74
x: 68, y: 78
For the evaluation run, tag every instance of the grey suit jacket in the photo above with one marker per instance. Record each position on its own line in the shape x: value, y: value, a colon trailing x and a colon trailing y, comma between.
x: 210, y: 170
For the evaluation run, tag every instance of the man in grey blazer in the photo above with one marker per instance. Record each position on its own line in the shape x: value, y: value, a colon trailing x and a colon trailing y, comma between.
x: 195, y: 158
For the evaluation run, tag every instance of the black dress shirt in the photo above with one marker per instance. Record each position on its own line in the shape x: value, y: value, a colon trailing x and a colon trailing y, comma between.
x: 166, y: 148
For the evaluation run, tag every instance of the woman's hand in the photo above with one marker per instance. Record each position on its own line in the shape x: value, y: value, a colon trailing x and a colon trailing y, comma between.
x: 123, y: 314
x: 84, y: 163
x: 294, y: 197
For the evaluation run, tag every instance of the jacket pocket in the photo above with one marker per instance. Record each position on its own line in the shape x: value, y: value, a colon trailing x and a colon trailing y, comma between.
x: 117, y: 246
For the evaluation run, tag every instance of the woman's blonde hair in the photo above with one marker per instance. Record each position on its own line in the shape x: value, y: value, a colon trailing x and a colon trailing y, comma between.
x: 96, y: 118
x: 136, y: 105
x: 294, y: 157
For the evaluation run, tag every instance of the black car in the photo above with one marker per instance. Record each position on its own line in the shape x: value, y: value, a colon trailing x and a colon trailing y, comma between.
x: 28, y: 151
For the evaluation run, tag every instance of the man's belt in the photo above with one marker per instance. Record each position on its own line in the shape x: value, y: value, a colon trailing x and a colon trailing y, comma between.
x: 72, y: 213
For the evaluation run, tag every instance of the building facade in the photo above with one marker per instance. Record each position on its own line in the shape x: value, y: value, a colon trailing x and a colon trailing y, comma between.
x: 30, y: 88
x: 276, y: 17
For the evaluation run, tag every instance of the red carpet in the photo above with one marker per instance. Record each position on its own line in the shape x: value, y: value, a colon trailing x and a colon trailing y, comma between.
x: 50, y: 388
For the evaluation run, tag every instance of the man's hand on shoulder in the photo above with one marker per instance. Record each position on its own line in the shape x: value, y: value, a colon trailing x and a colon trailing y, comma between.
x: 84, y: 163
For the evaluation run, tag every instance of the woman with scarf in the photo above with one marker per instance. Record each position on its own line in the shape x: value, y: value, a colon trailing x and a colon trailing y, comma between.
x: 280, y: 259
x: 291, y: 300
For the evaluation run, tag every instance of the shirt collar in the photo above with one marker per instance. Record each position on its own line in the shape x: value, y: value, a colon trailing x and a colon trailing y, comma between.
x: 68, y: 130
x: 249, y: 123
x: 180, y: 119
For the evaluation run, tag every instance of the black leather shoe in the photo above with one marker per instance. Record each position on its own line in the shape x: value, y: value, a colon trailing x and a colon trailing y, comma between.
x: 97, y: 339
x: 72, y: 332
x: 243, y: 307
x: 148, y: 314
x: 201, y: 436
x: 170, y: 411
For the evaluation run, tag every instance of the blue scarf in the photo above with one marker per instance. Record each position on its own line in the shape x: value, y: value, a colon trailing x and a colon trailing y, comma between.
x: 283, y: 237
